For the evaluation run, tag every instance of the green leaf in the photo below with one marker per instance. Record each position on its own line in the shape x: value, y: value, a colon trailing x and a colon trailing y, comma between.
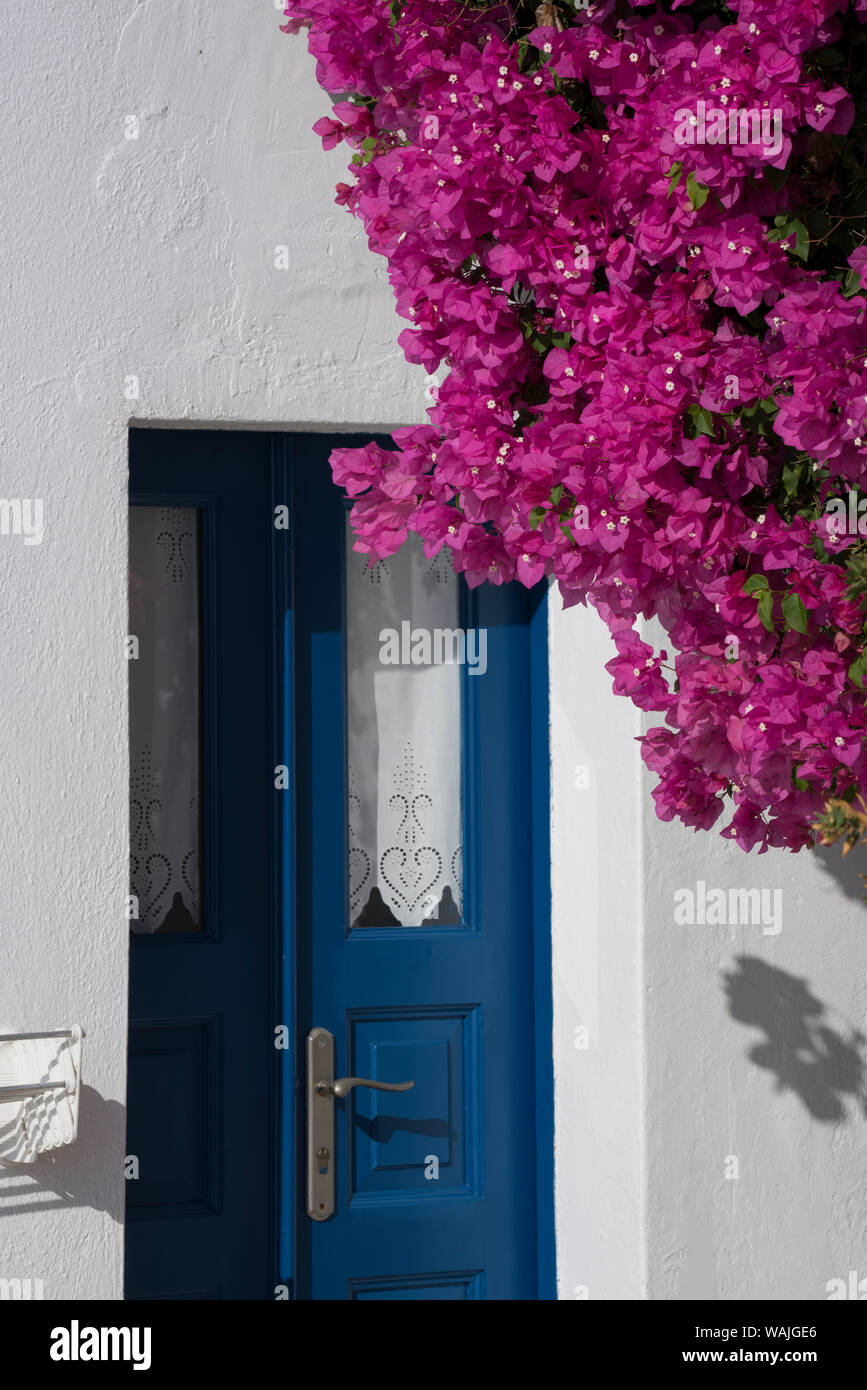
x: 795, y: 613
x: 675, y: 174
x: 789, y: 229
x: 536, y: 517
x: 557, y: 494
x: 766, y: 609
x: 858, y: 669
x: 851, y: 284
x: 696, y: 192
x: 702, y: 419
x: 801, y: 248
x: 754, y: 583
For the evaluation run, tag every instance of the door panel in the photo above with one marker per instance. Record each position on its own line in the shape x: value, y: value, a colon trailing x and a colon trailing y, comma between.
x: 201, y: 1065
x: 447, y: 1006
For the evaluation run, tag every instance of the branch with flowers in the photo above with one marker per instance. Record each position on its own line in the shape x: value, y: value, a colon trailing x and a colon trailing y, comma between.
x: 632, y: 237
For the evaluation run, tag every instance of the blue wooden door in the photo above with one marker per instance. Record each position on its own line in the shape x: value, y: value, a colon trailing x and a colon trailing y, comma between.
x: 421, y: 965
x: 200, y: 1118
x: 366, y: 854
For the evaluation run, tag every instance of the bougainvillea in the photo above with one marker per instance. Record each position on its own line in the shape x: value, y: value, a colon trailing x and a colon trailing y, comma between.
x: 630, y: 235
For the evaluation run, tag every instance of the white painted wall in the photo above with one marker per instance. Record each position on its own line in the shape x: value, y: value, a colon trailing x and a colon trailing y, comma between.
x: 650, y: 1117
x: 154, y: 258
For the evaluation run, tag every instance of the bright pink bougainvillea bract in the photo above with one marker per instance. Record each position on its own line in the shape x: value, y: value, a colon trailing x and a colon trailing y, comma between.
x: 649, y: 392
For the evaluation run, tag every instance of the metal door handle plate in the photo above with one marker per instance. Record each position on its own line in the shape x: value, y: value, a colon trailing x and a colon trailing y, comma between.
x: 321, y: 1092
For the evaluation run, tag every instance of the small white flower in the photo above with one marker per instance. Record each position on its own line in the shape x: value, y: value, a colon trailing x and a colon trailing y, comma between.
x: 838, y: 742
x: 452, y: 530
x: 591, y: 439
x: 525, y: 557
x: 753, y: 535
x: 453, y: 77
x: 559, y: 265
x: 501, y: 82
x: 633, y: 57
x: 761, y: 519
x: 604, y: 512
x: 678, y: 356
x: 669, y: 370
x: 569, y: 371
x: 726, y: 82
x: 503, y: 71
x: 594, y: 54
x: 537, y: 81
x: 818, y: 108
x: 492, y: 405
x: 857, y: 441
x: 635, y: 671
x: 717, y: 48
x: 517, y: 86
x: 669, y: 386
x: 658, y: 29
x: 733, y: 246
x: 649, y: 662
x: 624, y: 520
x: 609, y: 526
x: 546, y: 48
x: 763, y: 728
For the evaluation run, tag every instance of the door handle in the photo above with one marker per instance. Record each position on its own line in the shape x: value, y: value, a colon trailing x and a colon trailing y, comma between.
x: 346, y: 1083
x: 321, y: 1092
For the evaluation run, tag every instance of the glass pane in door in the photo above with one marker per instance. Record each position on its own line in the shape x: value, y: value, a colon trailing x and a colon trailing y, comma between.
x: 164, y: 712
x: 404, y: 651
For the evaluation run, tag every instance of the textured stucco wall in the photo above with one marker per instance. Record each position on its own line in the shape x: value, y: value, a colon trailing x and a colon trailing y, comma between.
x: 753, y: 1053
x: 155, y: 258
x: 712, y: 1141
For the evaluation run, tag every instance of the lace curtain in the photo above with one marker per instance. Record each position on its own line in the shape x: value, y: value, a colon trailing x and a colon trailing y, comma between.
x: 404, y: 745
x: 164, y: 718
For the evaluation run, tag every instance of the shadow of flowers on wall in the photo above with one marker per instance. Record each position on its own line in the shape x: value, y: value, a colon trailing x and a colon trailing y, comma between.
x: 823, y: 1066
